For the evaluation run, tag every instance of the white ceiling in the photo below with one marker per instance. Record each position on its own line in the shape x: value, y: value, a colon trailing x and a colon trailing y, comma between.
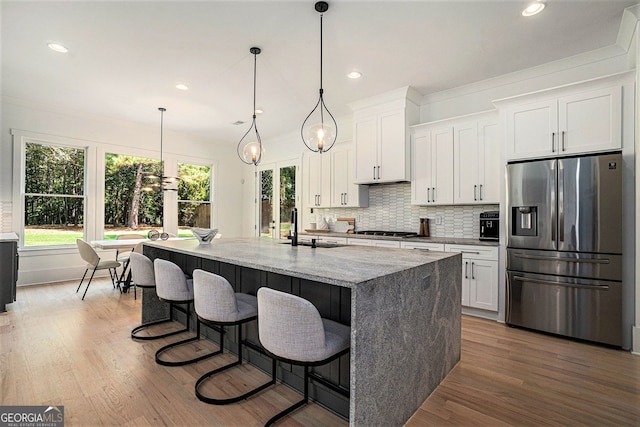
x: 126, y: 57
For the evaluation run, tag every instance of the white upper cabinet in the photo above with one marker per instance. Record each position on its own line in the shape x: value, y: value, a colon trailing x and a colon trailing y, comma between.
x: 476, y: 161
x: 317, y: 180
x: 577, y: 119
x: 456, y: 161
x: 432, y: 161
x: 344, y: 191
x: 382, y: 138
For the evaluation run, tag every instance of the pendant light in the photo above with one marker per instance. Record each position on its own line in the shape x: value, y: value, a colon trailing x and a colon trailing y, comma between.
x: 319, y: 130
x: 250, y: 150
x: 162, y: 182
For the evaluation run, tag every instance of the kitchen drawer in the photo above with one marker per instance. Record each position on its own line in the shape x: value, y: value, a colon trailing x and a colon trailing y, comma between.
x: 476, y: 252
x: 374, y: 242
x: 439, y: 247
x: 332, y: 240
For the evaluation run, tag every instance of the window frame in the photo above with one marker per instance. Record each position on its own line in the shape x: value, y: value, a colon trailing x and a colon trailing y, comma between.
x: 20, y: 141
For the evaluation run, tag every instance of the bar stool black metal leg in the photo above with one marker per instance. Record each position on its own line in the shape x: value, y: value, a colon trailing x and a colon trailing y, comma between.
x: 295, y: 406
x: 202, y: 379
x: 185, y: 341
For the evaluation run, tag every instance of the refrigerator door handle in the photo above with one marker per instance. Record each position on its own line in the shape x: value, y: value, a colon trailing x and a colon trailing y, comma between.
x: 561, y: 201
x: 549, y: 258
x: 553, y: 207
x: 568, y: 285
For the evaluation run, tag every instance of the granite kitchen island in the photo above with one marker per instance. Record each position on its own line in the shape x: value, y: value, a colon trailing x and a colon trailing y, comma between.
x: 403, y: 306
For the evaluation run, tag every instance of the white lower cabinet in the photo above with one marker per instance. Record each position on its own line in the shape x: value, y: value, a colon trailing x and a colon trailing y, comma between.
x: 374, y: 242
x: 479, y: 275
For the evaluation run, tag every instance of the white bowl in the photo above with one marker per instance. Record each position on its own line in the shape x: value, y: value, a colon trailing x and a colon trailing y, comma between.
x: 204, y: 235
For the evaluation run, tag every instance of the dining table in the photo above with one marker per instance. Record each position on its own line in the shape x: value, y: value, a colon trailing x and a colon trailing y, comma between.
x: 124, y: 283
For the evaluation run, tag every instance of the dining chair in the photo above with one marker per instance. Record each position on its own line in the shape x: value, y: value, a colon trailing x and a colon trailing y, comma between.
x: 91, y: 257
x: 122, y: 255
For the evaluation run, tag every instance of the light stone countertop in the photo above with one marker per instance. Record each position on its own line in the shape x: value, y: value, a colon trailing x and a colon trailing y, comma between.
x: 8, y: 237
x: 445, y: 240
x: 345, y: 266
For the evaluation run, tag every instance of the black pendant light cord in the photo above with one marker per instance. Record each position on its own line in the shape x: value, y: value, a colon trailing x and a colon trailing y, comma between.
x: 258, y: 154
x: 162, y: 110
x: 322, y: 146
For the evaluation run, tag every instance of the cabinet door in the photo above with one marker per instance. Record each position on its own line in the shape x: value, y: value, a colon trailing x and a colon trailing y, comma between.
x: 441, y: 166
x: 466, y: 279
x: 421, y: 168
x: 366, y: 138
x: 483, y: 287
x: 590, y: 121
x: 340, y: 177
x: 490, y: 172
x: 312, y: 178
x: 318, y: 180
x: 344, y: 191
x: 392, y: 154
x: 386, y: 244
x: 532, y: 130
x: 466, y: 159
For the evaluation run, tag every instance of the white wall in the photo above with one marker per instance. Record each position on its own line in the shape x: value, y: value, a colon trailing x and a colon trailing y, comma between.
x: 101, y: 135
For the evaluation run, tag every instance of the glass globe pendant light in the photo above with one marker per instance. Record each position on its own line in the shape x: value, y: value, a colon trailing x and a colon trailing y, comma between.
x: 319, y: 130
x: 250, y: 150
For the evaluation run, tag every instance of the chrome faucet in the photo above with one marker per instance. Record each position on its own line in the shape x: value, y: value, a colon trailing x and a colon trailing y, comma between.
x: 294, y: 227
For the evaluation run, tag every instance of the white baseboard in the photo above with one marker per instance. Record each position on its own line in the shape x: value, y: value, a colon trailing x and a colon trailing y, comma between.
x: 635, y: 346
x: 53, y: 275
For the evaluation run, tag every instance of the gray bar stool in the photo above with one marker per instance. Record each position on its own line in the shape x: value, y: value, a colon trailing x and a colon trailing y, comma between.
x: 173, y: 287
x: 291, y: 330
x: 218, y: 305
x: 141, y: 269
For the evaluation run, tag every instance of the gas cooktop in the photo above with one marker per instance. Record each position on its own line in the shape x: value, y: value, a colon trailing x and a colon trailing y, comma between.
x: 387, y: 233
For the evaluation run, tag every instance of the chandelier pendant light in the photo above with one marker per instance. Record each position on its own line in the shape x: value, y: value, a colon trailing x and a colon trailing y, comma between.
x: 319, y: 130
x: 162, y: 182
x: 250, y: 150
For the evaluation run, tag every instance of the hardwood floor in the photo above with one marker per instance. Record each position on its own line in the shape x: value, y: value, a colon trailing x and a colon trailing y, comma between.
x: 56, y: 349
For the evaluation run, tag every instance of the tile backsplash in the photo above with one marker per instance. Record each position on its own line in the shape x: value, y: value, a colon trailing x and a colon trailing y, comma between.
x: 5, y: 217
x: 390, y: 209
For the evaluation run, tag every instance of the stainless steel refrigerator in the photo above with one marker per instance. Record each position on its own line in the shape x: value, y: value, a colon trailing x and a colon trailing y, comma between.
x: 564, y: 247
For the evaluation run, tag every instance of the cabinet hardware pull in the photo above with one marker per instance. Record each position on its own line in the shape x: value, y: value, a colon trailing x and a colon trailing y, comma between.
x: 346, y: 199
x: 433, y: 190
x: 466, y: 269
x: 481, y: 192
x: 475, y: 187
x: 473, y: 275
x: 563, y: 149
x: 374, y: 172
x: 378, y: 172
x: 553, y: 142
x: 428, y: 195
x: 470, y: 252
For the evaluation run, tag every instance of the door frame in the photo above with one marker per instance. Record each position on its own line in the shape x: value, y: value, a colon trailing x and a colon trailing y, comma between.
x: 275, y: 166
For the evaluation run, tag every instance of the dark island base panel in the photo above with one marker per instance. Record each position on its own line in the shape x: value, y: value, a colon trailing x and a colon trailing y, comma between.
x: 333, y: 302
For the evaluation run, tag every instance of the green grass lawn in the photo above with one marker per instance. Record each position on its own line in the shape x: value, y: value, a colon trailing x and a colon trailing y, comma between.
x: 58, y: 237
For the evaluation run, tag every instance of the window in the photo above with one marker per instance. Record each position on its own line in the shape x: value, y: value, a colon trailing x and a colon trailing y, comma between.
x: 127, y: 208
x: 54, y: 195
x: 194, y: 198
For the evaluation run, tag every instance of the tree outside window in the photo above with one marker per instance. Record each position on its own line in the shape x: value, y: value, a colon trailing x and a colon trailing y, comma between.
x: 194, y: 198
x: 54, y: 199
x: 127, y: 208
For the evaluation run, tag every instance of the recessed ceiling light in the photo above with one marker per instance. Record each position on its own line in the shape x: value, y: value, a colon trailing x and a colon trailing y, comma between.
x: 182, y: 86
x: 57, y: 47
x: 533, y: 9
x: 354, y: 75
x: 259, y: 111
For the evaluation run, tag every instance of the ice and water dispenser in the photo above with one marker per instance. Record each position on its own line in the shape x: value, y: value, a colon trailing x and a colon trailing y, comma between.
x: 524, y: 221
